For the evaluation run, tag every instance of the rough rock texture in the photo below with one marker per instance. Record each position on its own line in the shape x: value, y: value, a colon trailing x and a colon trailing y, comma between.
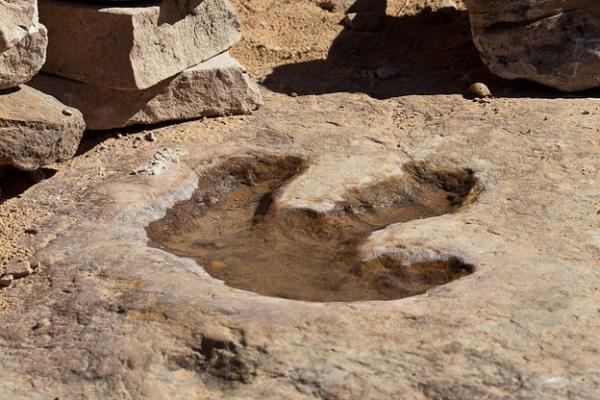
x: 133, y: 47
x: 133, y: 321
x: 216, y: 87
x: 23, y: 42
x: 36, y: 129
x: 17, y: 16
x: 24, y: 60
x: 555, y: 43
x: 105, y: 316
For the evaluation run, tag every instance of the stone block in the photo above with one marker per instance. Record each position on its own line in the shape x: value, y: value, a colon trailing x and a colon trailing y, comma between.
x: 136, y: 47
x: 36, y: 129
x: 216, y: 87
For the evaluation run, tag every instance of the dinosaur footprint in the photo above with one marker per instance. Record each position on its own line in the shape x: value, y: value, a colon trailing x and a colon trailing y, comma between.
x: 233, y: 228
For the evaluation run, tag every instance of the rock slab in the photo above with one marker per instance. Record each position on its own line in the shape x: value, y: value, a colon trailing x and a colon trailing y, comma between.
x: 216, y: 87
x: 555, y: 43
x: 36, y: 129
x: 23, y: 42
x: 134, y: 48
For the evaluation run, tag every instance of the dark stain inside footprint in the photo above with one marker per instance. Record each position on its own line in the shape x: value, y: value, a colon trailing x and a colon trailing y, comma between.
x: 231, y: 228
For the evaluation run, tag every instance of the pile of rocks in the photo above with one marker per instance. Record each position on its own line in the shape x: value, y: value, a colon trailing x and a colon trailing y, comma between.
x: 144, y: 64
x: 35, y: 129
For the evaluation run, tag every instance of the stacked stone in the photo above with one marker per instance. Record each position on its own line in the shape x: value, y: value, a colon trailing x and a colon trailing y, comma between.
x: 145, y: 64
x: 35, y: 129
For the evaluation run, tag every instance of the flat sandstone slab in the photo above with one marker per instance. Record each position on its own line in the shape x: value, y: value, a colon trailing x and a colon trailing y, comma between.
x: 36, y: 129
x: 134, y: 47
x: 214, y: 88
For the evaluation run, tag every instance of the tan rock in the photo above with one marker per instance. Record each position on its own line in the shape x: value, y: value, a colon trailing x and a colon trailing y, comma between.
x: 134, y: 47
x: 19, y: 269
x: 214, y: 88
x: 36, y: 129
x: 554, y: 43
x: 24, y: 60
x: 16, y: 16
x: 6, y: 281
x: 479, y: 90
x: 23, y: 42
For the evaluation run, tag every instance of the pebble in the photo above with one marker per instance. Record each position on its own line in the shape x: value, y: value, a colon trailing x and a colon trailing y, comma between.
x: 19, y: 269
x: 368, y: 75
x: 66, y: 112
x: 480, y: 90
x: 387, y: 72
x: 151, y: 137
x: 44, y: 323
x: 327, y: 5
x: 6, y: 280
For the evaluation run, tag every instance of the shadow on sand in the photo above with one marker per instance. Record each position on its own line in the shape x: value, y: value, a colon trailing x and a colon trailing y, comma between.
x: 430, y: 53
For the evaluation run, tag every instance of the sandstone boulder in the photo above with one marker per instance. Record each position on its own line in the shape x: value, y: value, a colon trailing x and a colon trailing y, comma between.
x: 134, y: 47
x: 555, y: 43
x: 24, y: 60
x: 16, y: 17
x: 36, y: 129
x: 22, y: 42
x: 216, y: 87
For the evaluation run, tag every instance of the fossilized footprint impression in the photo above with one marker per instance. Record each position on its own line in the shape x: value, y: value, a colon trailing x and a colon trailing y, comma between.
x: 233, y: 229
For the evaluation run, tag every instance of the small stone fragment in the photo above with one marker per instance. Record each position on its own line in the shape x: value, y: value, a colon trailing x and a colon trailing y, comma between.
x: 160, y: 162
x: 364, y: 21
x: 367, y: 74
x: 327, y: 5
x: 42, y: 324
x: 6, y: 281
x: 19, y: 269
x: 480, y: 90
x: 150, y: 136
x: 387, y: 72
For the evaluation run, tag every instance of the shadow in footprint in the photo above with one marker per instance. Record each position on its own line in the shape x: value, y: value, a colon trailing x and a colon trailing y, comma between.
x: 232, y: 227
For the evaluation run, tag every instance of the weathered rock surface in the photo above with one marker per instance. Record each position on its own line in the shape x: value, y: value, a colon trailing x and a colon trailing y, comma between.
x: 132, y: 320
x: 36, y: 129
x: 23, y: 42
x: 134, y: 47
x: 24, y: 60
x: 216, y: 87
x: 555, y: 43
x: 17, y: 16
x: 107, y: 316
